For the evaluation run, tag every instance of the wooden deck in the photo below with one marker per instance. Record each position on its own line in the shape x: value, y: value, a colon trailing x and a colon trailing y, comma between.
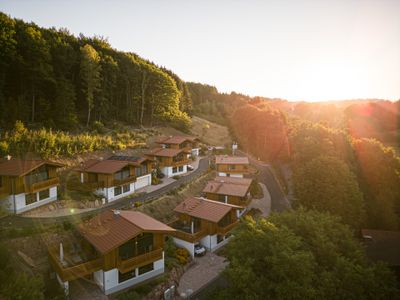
x: 139, y: 261
x: 35, y: 187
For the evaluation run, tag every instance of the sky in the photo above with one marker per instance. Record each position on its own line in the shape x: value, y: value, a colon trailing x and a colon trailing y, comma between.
x: 297, y: 50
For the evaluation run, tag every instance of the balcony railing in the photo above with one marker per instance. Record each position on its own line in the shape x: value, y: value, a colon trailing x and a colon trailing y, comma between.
x: 125, y: 180
x: 180, y: 163
x: 139, y: 261
x: 34, y: 187
x: 226, y: 229
x: 67, y: 273
x: 190, y: 237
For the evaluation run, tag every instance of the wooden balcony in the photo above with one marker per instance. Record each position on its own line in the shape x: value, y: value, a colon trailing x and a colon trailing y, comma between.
x: 126, y: 180
x: 226, y: 229
x: 68, y: 273
x: 35, y: 187
x: 139, y: 261
x: 179, y: 163
x: 190, y: 237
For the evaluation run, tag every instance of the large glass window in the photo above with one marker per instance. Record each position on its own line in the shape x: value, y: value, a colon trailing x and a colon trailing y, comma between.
x: 127, y: 250
x: 181, y: 169
x: 117, y: 190
x: 37, y: 175
x: 146, y: 268
x: 124, y: 173
x: 44, y: 194
x: 126, y: 276
x: 30, y: 198
x: 174, y: 170
x: 144, y: 243
x: 126, y: 188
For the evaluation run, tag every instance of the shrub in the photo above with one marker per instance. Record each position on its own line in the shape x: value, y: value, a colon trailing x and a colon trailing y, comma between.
x: 182, y: 255
x: 138, y: 203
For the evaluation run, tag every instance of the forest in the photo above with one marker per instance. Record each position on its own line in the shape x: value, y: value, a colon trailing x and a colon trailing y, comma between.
x: 50, y: 78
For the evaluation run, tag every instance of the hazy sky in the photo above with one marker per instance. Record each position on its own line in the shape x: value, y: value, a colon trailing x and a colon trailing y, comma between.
x: 298, y: 50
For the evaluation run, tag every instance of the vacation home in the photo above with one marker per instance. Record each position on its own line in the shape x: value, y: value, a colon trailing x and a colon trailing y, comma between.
x: 204, y: 221
x: 232, y: 166
x: 27, y: 184
x: 116, y: 176
x: 187, y: 143
x: 170, y: 161
x: 115, y: 250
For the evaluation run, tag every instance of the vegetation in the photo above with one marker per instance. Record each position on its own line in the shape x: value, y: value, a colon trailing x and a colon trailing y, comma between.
x: 302, y: 255
x: 48, y: 143
x: 50, y: 77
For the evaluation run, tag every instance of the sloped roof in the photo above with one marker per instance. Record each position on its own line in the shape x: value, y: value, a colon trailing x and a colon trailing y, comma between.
x: 166, y: 152
x: 20, y: 167
x: 228, y: 186
x: 110, y: 165
x: 231, y: 160
x: 205, y: 209
x: 176, y: 139
x: 111, y: 229
x: 383, y: 246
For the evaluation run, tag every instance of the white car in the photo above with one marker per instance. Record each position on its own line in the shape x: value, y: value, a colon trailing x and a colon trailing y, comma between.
x: 190, y: 167
x: 199, y: 250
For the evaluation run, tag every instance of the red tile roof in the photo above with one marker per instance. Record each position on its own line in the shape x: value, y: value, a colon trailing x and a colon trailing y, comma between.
x: 111, y: 229
x: 231, y: 160
x: 108, y: 166
x: 228, y: 186
x: 205, y: 209
x: 176, y: 139
x: 166, y: 152
x: 20, y: 167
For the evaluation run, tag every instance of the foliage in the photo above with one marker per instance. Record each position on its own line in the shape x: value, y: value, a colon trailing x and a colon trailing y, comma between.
x: 182, y: 255
x: 52, y: 78
x: 256, y: 190
x: 49, y: 143
x: 327, y: 184
x: 302, y: 255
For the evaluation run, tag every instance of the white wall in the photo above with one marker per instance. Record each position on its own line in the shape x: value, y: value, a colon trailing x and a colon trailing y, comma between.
x: 167, y: 171
x: 222, y: 243
x: 108, y: 193
x: 143, y: 181
x: 209, y: 241
x: 111, y: 278
x: 20, y: 205
x: 195, y: 151
x: 230, y: 174
x: 184, y: 244
x: 98, y: 278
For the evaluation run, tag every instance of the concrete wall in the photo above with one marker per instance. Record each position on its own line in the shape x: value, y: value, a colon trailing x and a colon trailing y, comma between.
x: 98, y: 278
x: 184, y: 244
x: 167, y: 171
x: 111, y: 278
x: 209, y: 241
x: 20, y: 205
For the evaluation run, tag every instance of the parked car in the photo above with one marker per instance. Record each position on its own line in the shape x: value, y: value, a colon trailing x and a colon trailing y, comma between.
x: 199, y: 250
x: 190, y: 167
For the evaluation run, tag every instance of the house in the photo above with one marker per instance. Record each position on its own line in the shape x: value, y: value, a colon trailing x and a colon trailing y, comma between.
x: 170, y: 161
x: 232, y: 166
x: 116, y: 176
x: 204, y: 221
x: 229, y: 190
x: 115, y: 250
x: 27, y: 184
x: 188, y: 143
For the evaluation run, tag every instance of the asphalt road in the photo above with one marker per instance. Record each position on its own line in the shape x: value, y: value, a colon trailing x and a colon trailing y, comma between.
x: 20, y: 222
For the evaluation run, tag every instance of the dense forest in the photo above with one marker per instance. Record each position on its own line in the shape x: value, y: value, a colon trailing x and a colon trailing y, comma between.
x: 51, y: 78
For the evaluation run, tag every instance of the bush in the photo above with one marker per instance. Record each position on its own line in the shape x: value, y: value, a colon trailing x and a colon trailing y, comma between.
x: 138, y: 204
x: 182, y: 255
x: 176, y: 177
x: 256, y: 190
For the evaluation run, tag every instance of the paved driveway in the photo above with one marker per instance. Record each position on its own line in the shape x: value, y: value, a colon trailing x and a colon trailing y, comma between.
x: 263, y: 204
x: 205, y: 270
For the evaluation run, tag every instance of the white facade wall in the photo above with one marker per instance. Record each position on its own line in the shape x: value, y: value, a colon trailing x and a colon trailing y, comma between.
x: 222, y: 243
x: 195, y: 151
x: 111, y: 284
x: 20, y: 204
x: 167, y: 171
x: 143, y: 181
x: 108, y: 193
x: 209, y: 241
x: 230, y: 175
x: 184, y: 244
x: 99, y: 278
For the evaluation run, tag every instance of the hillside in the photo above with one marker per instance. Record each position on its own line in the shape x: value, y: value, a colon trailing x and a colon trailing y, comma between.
x: 48, y: 77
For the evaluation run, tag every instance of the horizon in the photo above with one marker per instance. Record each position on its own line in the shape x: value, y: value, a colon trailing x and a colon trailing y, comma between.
x: 296, y: 51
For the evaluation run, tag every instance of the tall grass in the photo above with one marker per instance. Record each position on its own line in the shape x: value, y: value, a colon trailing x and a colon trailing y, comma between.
x: 48, y: 143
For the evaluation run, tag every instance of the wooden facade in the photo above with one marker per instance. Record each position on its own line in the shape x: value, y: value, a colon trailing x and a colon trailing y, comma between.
x: 233, y: 168
x: 176, y: 161
x: 234, y: 200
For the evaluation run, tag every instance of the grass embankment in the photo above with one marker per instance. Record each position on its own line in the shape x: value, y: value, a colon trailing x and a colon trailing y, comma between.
x: 162, y: 208
x: 47, y: 143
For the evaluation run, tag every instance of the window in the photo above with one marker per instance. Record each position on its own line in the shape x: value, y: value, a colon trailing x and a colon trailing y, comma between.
x: 221, y: 198
x: 220, y: 238
x: 117, y: 191
x: 127, y: 250
x: 144, y: 169
x: 44, y: 194
x: 126, y: 276
x: 124, y: 173
x: 146, y: 268
x: 37, y: 175
x: 126, y: 188
x: 181, y: 169
x: 30, y: 198
x: 174, y: 169
x: 231, y: 167
x: 138, y: 172
x: 144, y: 243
